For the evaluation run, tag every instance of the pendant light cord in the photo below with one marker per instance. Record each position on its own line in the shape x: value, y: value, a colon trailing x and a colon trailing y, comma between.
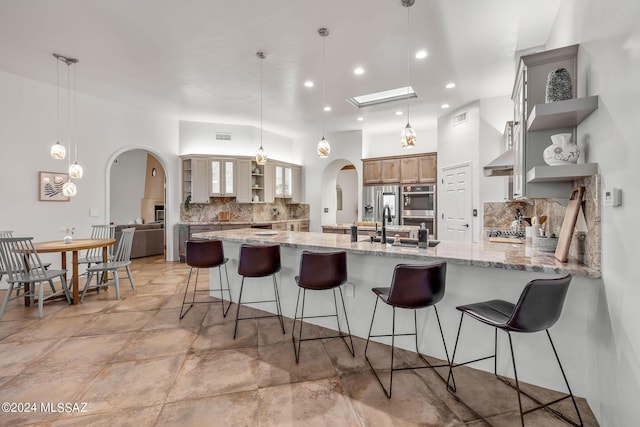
x: 75, y: 114
x: 408, y: 62
x: 69, y: 111
x: 261, y: 59
x: 58, y: 97
x: 324, y: 85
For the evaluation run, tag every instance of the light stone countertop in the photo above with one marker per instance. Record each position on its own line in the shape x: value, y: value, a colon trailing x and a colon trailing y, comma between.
x: 485, y: 254
x: 249, y: 223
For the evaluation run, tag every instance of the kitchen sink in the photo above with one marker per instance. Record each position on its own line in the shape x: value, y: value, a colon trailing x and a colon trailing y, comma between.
x: 407, y: 242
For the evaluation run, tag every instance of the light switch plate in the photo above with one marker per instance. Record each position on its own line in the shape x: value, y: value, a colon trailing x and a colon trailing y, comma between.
x: 611, y: 197
x: 94, y: 212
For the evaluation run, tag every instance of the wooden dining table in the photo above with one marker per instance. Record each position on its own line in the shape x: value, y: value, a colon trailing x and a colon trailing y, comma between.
x: 74, y: 247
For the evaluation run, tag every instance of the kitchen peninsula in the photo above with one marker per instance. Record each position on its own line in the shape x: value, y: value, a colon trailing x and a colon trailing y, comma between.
x: 475, y: 272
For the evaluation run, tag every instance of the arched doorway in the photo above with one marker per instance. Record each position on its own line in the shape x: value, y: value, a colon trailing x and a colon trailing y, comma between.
x: 137, y: 194
x: 341, y: 195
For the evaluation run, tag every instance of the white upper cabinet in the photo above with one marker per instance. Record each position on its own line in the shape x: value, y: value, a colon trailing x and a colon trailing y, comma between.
x: 222, y: 177
x: 195, y: 181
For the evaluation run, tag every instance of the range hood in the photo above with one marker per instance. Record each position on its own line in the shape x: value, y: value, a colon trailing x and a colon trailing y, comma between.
x: 501, y: 165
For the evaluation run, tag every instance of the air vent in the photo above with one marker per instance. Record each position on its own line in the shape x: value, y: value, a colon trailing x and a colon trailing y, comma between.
x: 459, y: 118
x: 223, y: 137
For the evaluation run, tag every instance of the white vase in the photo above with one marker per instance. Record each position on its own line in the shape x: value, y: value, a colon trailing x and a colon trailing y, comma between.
x: 562, y: 151
x: 67, y: 239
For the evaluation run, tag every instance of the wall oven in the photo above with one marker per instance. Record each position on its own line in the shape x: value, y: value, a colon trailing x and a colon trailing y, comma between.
x: 419, y: 205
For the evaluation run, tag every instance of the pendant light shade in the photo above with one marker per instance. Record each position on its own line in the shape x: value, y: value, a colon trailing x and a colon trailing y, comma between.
x: 408, y: 135
x: 75, y: 171
x: 69, y: 189
x: 324, y: 148
x: 58, y: 151
x: 261, y: 156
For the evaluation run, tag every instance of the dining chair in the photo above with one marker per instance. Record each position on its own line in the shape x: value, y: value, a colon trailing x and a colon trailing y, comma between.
x: 94, y: 255
x: 121, y: 259
x: 4, y: 235
x: 24, y: 267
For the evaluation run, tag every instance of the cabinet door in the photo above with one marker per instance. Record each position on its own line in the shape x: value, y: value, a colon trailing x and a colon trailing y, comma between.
x: 409, y: 170
x: 518, y: 161
x: 371, y: 172
x: 296, y: 185
x: 287, y: 182
x: 428, y: 169
x: 390, y: 171
x: 269, y: 182
x: 243, y: 185
x: 222, y: 177
x: 229, y: 178
x: 199, y: 181
x: 279, y: 180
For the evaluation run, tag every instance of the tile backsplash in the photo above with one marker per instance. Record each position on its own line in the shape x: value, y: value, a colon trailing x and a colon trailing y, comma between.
x: 250, y: 212
x: 585, y: 246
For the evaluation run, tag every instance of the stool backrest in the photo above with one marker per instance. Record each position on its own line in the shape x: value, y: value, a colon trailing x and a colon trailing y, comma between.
x: 322, y: 270
x: 259, y: 260
x: 415, y: 286
x: 540, y: 305
x: 204, y: 253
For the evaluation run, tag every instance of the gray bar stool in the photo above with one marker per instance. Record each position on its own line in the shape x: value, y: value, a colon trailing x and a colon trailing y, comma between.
x: 538, y: 309
x: 205, y: 254
x: 259, y: 261
x: 321, y: 271
x: 412, y: 287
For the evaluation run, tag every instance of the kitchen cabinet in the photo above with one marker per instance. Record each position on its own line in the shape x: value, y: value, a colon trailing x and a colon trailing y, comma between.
x: 245, y: 181
x: 390, y: 171
x: 195, y: 179
x: 288, y: 182
x: 371, y: 171
x: 281, y: 226
x: 535, y: 121
x: 222, y: 177
x: 418, y: 169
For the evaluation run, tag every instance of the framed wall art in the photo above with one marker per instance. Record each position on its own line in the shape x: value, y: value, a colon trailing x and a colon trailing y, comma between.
x: 50, y: 186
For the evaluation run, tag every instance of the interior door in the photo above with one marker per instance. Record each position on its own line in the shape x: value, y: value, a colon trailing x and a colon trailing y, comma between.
x: 456, y: 209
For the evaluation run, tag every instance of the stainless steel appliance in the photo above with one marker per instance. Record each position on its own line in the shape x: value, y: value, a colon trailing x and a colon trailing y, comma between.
x: 419, y: 205
x: 375, y: 198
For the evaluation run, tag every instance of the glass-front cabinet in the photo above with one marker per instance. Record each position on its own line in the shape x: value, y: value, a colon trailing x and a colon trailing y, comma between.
x: 222, y: 177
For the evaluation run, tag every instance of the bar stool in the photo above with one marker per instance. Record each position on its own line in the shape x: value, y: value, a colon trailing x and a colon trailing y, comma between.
x: 537, y: 309
x: 259, y: 261
x: 412, y: 287
x: 205, y: 254
x: 321, y: 271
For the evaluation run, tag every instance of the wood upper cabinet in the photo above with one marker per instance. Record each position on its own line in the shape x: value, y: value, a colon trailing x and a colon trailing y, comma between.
x: 409, y: 170
x: 427, y: 168
x: 390, y: 171
x: 371, y: 171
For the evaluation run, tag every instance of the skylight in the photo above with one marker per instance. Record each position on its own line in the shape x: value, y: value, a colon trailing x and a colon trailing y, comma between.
x: 382, y: 97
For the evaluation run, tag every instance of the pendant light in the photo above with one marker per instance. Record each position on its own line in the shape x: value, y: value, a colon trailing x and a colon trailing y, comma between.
x: 75, y: 170
x: 261, y: 156
x: 323, y: 149
x: 58, y: 151
x: 408, y: 135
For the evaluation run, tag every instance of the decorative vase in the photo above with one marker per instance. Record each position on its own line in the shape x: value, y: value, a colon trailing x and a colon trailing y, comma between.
x: 562, y: 151
x: 68, y: 238
x: 558, y: 86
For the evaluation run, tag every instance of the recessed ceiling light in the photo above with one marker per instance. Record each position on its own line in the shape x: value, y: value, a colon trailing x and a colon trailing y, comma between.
x: 444, y: 106
x: 360, y: 118
x: 381, y: 97
x: 450, y: 85
x: 358, y: 71
x: 398, y: 113
x: 421, y: 54
x: 308, y: 83
x: 327, y: 108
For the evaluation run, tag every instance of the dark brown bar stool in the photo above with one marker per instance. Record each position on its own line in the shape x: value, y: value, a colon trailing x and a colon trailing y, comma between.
x: 321, y: 271
x: 205, y: 254
x: 259, y: 261
x: 412, y: 287
x: 537, y: 309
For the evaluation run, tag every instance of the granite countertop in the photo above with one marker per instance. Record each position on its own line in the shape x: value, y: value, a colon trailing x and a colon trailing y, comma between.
x: 484, y: 254
x: 408, y: 228
x: 249, y: 223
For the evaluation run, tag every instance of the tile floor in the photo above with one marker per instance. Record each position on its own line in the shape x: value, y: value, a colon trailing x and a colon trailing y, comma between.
x: 135, y: 364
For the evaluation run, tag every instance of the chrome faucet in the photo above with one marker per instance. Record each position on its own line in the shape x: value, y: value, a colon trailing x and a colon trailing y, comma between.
x: 386, y: 216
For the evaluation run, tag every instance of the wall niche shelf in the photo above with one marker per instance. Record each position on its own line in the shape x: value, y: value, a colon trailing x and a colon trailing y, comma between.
x: 559, y: 173
x: 561, y: 114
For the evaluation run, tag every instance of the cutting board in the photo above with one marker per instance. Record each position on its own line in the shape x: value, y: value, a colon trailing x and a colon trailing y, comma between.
x: 505, y: 240
x: 569, y: 224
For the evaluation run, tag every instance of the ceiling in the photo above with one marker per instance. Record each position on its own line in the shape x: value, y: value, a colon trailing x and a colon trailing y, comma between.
x: 196, y: 59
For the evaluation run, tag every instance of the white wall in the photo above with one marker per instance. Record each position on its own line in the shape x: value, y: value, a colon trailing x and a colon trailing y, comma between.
x: 609, y: 66
x: 127, y: 186
x: 200, y: 138
x: 28, y: 111
x: 388, y: 144
x: 348, y: 182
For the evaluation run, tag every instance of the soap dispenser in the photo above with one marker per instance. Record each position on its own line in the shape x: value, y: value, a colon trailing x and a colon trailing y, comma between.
x: 423, y: 236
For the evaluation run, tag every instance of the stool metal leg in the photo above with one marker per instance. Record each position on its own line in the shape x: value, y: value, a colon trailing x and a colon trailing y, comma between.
x: 186, y: 290
x: 224, y: 312
x: 278, y: 308
x: 235, y: 329
x: 515, y: 374
x: 296, y: 349
x: 346, y: 319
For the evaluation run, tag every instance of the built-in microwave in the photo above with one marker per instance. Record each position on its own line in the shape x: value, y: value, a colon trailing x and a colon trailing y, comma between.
x: 418, y: 201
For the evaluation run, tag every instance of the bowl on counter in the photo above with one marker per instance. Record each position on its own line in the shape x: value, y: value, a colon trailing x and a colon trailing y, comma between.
x: 545, y: 244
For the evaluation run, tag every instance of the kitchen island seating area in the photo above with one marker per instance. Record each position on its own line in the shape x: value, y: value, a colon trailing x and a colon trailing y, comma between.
x: 205, y: 254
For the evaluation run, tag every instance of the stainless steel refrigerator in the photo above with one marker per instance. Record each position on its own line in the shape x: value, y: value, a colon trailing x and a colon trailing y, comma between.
x: 375, y: 198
